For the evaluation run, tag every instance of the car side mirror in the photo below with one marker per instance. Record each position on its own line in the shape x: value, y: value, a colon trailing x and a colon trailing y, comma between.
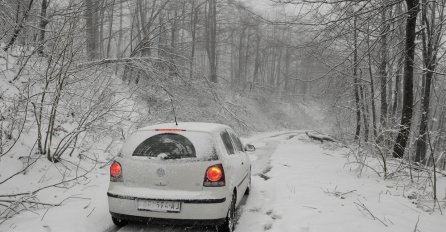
x: 250, y: 147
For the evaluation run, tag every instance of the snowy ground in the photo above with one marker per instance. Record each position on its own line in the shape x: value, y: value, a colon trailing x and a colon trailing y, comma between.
x: 308, y: 188
x: 297, y: 186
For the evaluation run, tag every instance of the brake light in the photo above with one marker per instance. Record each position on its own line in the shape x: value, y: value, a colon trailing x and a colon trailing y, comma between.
x: 115, y: 171
x: 214, y: 176
x: 170, y: 129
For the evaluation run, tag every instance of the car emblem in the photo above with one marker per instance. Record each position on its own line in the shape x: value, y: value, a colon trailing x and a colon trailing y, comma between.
x: 160, y: 172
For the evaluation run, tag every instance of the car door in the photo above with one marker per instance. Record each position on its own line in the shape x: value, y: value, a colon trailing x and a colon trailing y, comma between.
x: 233, y: 160
x: 244, y: 159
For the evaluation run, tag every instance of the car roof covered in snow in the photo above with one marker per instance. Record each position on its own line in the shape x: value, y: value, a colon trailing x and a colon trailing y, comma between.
x: 188, y: 126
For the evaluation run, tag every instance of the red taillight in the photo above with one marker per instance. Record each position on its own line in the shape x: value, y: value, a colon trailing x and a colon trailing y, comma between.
x: 115, y: 170
x: 214, y: 173
x: 214, y: 176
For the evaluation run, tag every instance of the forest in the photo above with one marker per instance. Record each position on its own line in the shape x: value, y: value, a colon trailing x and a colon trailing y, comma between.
x: 77, y: 73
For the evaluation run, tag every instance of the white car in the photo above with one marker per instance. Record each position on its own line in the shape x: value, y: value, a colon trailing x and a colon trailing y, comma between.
x: 190, y: 173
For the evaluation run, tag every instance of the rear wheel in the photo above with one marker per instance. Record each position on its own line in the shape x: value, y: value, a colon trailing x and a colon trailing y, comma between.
x: 119, y: 222
x: 248, y: 189
x: 229, y: 224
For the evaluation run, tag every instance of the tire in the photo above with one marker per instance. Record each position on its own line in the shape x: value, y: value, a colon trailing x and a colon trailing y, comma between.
x: 229, y: 224
x: 248, y: 189
x: 119, y: 222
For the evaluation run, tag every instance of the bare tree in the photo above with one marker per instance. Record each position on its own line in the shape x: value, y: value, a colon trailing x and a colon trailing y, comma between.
x: 432, y: 18
x: 91, y: 22
x: 407, y: 108
x: 383, y: 64
x: 20, y: 24
x: 211, y: 45
x: 42, y: 25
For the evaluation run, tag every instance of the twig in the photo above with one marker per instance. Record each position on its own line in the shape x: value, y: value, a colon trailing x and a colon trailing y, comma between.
x: 91, y: 212
x: 24, y: 169
x: 29, y: 202
x: 337, y: 193
x: 416, y: 224
x: 46, y: 211
x: 48, y: 186
x: 363, y: 207
x: 366, y: 165
x: 348, y: 192
x: 309, y: 207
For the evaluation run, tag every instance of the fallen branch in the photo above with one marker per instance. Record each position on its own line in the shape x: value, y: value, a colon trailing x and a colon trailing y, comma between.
x: 48, y: 186
x: 118, y: 61
x: 320, y: 138
x: 30, y: 201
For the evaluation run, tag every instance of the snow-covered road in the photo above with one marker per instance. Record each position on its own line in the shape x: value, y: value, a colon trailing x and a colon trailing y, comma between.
x: 298, y: 185
x: 308, y: 187
x: 265, y: 144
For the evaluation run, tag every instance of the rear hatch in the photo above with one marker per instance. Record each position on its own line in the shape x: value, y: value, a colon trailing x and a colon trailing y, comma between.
x: 171, y: 160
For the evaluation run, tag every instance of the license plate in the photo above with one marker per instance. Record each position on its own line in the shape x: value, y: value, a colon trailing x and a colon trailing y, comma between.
x: 159, y: 206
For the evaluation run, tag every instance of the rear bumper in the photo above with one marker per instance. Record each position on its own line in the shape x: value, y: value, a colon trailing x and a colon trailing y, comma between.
x: 193, y: 211
x: 165, y: 221
x: 188, y: 201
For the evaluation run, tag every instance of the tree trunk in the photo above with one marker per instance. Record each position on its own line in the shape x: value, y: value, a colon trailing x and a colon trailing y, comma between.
x: 110, y: 28
x: 365, y: 119
x: 287, y: 70
x: 407, y: 109
x: 42, y: 25
x: 278, y: 70
x: 383, y: 66
x: 431, y: 36
x: 372, y: 86
x: 193, y: 19
x: 239, y: 78
x: 257, y: 58
x: 212, y: 40
x: 272, y: 67
x: 421, y: 144
x: 397, y: 99
x: 246, y: 56
x: 91, y: 28
x: 120, y: 35
x: 101, y: 28
x: 18, y: 28
x: 355, y: 81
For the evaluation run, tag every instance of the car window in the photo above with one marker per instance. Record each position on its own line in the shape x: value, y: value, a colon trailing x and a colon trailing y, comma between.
x: 227, y: 142
x: 168, y: 146
x: 237, y: 143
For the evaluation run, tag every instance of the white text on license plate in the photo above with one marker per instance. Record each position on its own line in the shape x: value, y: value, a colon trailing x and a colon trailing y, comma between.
x: 159, y: 206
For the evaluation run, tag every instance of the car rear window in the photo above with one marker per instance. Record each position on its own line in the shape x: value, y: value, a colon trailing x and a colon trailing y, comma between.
x: 172, y: 146
x: 227, y: 142
x: 237, y: 142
